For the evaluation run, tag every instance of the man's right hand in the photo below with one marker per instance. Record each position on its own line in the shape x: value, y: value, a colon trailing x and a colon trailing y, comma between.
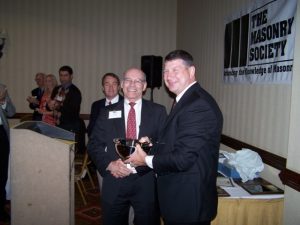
x: 137, y: 158
x: 119, y: 169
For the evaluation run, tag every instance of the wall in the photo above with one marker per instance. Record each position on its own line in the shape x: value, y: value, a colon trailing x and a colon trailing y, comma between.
x: 255, y: 114
x: 292, y: 197
x: 94, y: 37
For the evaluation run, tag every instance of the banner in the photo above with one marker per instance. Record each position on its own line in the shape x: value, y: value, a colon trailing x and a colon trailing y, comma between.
x: 259, y: 43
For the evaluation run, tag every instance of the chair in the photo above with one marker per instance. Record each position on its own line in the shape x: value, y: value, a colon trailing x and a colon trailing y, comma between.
x: 81, y: 169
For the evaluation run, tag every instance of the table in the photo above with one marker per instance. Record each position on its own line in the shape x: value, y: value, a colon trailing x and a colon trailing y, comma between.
x: 243, y: 208
x: 245, y: 211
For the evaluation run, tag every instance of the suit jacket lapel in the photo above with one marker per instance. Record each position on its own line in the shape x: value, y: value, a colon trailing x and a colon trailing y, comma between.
x: 181, y: 104
x: 102, y: 103
x: 119, y: 123
x: 145, y: 114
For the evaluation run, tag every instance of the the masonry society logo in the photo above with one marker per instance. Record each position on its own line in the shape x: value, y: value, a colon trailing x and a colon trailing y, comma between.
x: 259, y: 46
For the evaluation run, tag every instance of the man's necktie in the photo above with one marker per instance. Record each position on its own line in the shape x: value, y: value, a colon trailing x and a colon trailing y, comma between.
x: 131, y: 122
x: 173, y: 105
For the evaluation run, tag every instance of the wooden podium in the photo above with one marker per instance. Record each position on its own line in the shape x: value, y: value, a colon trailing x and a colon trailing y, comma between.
x: 42, y: 174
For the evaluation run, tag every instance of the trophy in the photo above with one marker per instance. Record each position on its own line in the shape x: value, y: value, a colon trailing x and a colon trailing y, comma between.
x: 125, y: 147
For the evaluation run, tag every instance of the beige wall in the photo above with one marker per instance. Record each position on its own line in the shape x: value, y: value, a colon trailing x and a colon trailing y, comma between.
x: 266, y: 116
x: 94, y: 37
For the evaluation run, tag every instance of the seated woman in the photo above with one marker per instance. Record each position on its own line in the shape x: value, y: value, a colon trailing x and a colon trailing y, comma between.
x: 48, y: 115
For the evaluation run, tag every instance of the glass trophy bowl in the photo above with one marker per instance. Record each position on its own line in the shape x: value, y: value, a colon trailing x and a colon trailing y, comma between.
x: 125, y: 147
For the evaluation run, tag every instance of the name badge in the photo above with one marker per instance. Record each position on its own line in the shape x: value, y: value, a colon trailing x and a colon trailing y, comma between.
x: 115, y: 114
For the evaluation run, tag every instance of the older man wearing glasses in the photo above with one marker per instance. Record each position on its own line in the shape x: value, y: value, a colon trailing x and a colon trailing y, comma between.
x: 123, y: 186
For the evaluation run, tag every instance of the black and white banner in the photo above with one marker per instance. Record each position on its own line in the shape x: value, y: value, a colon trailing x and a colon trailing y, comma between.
x: 259, y: 43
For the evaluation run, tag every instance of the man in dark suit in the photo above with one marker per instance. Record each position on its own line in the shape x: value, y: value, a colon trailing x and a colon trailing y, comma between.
x: 7, y: 109
x: 122, y: 185
x: 36, y: 95
x: 186, y: 156
x: 66, y: 100
x: 111, y: 87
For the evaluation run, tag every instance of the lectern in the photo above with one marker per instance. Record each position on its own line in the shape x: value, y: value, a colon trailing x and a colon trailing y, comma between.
x: 42, y: 174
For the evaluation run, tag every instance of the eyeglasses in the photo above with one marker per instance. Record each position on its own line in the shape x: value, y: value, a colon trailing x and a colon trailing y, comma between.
x: 135, y: 82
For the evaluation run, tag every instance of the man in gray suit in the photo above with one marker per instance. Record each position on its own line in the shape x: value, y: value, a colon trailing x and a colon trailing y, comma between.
x: 7, y: 109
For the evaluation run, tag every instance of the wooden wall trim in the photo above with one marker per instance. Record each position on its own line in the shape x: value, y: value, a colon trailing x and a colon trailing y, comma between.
x: 288, y: 177
x: 20, y: 115
x: 85, y: 116
x: 271, y: 159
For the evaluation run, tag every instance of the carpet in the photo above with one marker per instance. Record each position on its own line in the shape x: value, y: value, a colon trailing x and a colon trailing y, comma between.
x: 90, y: 213
x: 94, y: 193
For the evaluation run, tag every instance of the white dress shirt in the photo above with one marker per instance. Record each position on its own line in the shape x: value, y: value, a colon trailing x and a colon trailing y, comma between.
x: 112, y: 101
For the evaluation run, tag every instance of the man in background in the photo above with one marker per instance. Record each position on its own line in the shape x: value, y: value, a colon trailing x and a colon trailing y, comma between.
x: 123, y: 186
x: 36, y: 95
x: 110, y: 87
x: 66, y: 106
x: 186, y: 156
x: 7, y: 109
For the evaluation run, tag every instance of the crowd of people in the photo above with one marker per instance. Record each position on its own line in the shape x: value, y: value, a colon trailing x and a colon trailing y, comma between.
x: 56, y: 104
x: 176, y: 180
